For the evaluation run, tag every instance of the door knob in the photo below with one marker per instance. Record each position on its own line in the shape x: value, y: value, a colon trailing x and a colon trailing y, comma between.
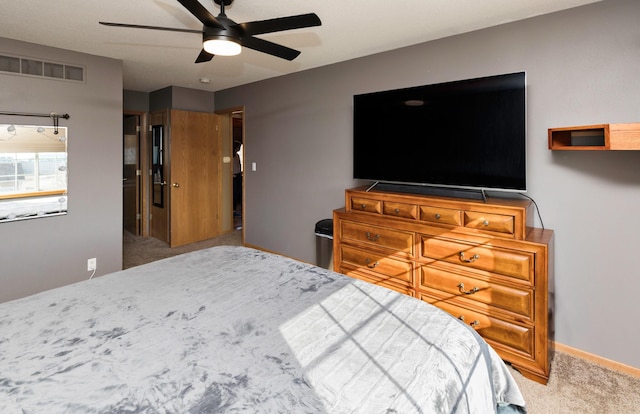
x: 176, y: 185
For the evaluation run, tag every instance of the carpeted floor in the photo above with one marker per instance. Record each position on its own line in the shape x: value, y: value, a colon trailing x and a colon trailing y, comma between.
x: 575, y: 386
x: 140, y: 250
x: 581, y: 387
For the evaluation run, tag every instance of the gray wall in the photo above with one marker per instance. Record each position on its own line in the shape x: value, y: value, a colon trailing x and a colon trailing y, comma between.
x: 44, y: 253
x: 185, y: 99
x: 135, y: 101
x: 582, y: 68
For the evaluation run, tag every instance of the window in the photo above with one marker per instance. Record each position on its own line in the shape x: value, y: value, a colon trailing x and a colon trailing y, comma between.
x: 33, y: 171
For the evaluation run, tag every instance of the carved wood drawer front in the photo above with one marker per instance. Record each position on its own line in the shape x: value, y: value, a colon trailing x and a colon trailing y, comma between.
x: 489, y: 222
x: 400, y: 271
x: 493, y: 330
x: 409, y: 211
x: 505, y: 262
x: 441, y: 215
x: 380, y: 280
x: 397, y: 240
x: 366, y: 204
x: 513, y: 300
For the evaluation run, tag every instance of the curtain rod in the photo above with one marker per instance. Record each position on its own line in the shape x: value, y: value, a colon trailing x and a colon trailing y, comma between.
x: 51, y: 115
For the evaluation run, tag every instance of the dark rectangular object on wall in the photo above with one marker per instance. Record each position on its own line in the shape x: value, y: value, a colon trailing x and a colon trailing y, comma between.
x: 463, y: 134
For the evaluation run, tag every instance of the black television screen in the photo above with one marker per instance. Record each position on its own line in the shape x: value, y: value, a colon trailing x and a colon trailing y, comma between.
x: 466, y: 134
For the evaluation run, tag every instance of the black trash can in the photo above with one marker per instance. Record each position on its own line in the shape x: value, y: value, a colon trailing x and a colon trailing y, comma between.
x: 324, y: 243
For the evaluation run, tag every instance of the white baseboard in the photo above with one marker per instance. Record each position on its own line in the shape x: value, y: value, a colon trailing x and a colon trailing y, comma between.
x: 607, y: 363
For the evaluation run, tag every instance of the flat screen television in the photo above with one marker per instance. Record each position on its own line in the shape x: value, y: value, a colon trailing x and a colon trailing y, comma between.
x: 468, y: 134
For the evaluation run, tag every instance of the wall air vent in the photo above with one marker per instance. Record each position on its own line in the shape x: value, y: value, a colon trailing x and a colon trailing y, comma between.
x: 16, y: 65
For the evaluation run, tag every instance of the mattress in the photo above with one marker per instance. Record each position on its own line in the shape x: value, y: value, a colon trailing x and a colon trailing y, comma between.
x: 236, y: 330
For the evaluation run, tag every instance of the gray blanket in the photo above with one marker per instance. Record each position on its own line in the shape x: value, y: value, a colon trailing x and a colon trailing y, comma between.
x: 237, y: 330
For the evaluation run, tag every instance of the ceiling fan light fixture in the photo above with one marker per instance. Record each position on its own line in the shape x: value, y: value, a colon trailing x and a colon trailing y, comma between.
x: 222, y: 46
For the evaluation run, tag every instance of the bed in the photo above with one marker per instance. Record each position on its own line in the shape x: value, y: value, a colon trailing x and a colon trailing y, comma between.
x: 237, y: 330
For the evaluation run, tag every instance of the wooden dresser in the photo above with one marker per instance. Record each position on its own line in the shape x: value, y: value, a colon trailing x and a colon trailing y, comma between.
x: 481, y: 262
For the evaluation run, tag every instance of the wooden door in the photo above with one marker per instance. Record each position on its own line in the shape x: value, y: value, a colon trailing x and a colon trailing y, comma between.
x: 195, y: 177
x: 158, y: 189
x: 130, y: 175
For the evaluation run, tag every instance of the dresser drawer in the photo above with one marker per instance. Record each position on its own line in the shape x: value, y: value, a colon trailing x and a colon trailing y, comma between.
x: 397, y: 240
x: 380, y: 264
x: 384, y: 281
x: 503, y: 261
x: 513, y: 300
x: 366, y: 204
x: 493, y: 330
x: 441, y: 215
x: 489, y: 222
x: 409, y: 211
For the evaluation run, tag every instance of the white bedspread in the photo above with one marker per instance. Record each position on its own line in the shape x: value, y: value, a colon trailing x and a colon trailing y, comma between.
x: 236, y: 330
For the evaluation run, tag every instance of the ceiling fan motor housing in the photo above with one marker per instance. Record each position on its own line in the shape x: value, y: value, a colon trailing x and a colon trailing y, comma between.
x: 209, y: 32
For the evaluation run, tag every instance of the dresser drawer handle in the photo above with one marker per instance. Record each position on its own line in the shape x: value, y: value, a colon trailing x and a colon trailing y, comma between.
x: 397, y: 211
x: 486, y: 222
x: 473, y: 324
x: 467, y: 292
x: 369, y: 264
x: 363, y: 206
x: 471, y: 260
x: 374, y: 238
x: 438, y: 216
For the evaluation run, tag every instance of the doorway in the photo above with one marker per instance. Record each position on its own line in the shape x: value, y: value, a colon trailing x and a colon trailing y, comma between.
x: 156, y: 176
x: 131, y: 200
x: 237, y: 124
x: 233, y: 142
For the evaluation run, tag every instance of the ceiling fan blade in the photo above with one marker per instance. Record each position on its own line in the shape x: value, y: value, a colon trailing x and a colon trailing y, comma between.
x: 279, y: 24
x: 270, y: 48
x: 138, y: 26
x: 201, y: 13
x: 204, y: 56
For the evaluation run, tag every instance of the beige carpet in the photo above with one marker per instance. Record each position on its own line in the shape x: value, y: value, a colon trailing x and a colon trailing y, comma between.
x: 575, y: 385
x: 140, y: 250
x: 580, y: 387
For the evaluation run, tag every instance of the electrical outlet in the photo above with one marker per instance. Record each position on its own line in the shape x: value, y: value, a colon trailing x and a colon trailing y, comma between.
x: 91, y: 264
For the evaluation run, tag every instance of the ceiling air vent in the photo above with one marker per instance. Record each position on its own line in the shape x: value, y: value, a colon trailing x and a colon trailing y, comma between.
x: 33, y: 67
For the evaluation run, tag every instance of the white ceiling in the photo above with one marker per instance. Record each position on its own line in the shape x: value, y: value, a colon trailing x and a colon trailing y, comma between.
x: 156, y: 59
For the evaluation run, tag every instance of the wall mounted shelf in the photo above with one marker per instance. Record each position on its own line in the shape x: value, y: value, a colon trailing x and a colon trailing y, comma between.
x: 601, y: 137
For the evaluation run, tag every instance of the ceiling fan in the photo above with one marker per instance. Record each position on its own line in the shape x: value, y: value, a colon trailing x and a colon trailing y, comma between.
x: 223, y: 36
